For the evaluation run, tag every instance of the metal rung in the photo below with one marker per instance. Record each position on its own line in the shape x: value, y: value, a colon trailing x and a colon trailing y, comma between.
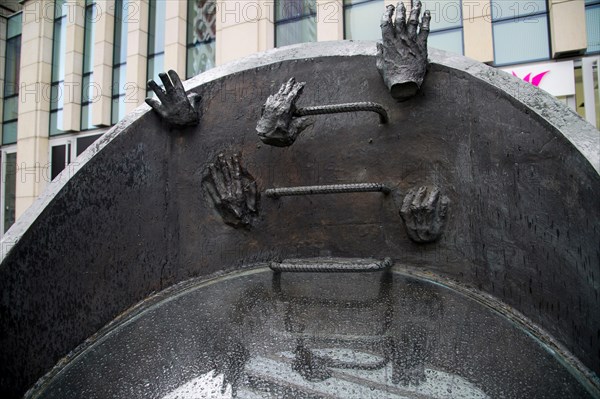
x: 327, y: 265
x: 348, y: 107
x: 327, y: 189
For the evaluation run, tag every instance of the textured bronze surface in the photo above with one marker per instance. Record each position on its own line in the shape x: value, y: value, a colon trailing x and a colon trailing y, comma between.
x: 519, y: 168
x: 327, y: 189
x: 281, y: 121
x: 424, y: 212
x: 326, y: 265
x: 232, y: 190
x: 402, y: 55
x: 175, y: 107
x: 339, y: 108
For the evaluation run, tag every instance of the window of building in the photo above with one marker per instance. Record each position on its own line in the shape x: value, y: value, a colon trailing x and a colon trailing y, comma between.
x: 57, y: 87
x: 119, y: 87
x: 592, y: 23
x: 10, y: 112
x: 201, y: 34
x: 88, y: 92
x: 156, y: 41
x: 8, y: 171
x: 63, y: 150
x: 60, y: 156
x: 295, y: 22
x: 362, y: 18
x: 520, y: 31
x: 446, y: 28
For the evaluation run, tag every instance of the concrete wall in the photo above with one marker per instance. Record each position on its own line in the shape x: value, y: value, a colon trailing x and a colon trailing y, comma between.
x: 567, y: 26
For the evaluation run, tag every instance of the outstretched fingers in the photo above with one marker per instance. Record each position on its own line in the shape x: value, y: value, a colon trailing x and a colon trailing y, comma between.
x: 217, y: 178
x: 413, y: 20
x: 251, y: 196
x: 212, y: 193
x: 160, y: 93
x: 407, y: 201
x: 225, y: 169
x: 400, y: 19
x: 424, y: 31
x: 155, y: 104
x: 433, y: 198
x: 177, y: 84
x: 419, y: 198
x: 387, y: 27
x: 166, y: 83
x: 286, y: 87
x: 295, y: 91
x: 237, y: 173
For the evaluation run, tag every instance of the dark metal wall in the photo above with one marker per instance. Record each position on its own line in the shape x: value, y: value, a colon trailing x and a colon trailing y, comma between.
x: 523, y: 222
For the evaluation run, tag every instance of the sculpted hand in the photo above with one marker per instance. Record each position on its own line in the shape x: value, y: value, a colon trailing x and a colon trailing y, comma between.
x: 424, y: 214
x: 277, y: 125
x: 232, y: 191
x: 175, y: 107
x: 402, y: 56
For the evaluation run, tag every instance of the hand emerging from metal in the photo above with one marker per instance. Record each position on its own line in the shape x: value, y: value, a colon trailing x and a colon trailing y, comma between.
x: 232, y: 191
x: 424, y: 214
x: 175, y: 107
x: 402, y: 56
x: 277, y: 125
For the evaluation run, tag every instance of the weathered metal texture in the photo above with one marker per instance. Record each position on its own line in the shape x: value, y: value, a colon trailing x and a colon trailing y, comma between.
x: 175, y: 108
x: 232, y: 191
x: 402, y: 53
x: 281, y: 121
x: 340, y: 108
x: 520, y: 170
x: 278, y: 125
x: 327, y: 265
x: 327, y: 189
x: 424, y: 213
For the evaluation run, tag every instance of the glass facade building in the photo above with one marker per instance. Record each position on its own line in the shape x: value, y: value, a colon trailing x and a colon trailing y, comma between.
x: 124, y: 43
x: 10, y: 114
x: 295, y: 22
x: 521, y: 31
x: 201, y: 35
x: 57, y: 86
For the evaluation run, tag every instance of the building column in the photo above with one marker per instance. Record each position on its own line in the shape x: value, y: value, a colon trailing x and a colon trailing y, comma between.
x: 175, y: 37
x: 34, y: 102
x: 567, y: 27
x: 137, y: 53
x: 244, y: 27
x: 330, y: 20
x: 3, y: 35
x: 75, y: 32
x: 477, y: 30
x: 104, y: 31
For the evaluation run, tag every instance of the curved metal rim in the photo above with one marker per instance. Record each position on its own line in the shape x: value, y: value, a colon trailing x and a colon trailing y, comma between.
x: 580, y: 133
x: 585, y: 376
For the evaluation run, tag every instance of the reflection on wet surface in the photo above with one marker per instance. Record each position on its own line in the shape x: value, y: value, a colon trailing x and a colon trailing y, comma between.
x: 261, y: 334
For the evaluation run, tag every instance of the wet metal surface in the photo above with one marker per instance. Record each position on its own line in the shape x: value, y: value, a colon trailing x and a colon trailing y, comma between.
x: 260, y: 334
x: 519, y: 171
